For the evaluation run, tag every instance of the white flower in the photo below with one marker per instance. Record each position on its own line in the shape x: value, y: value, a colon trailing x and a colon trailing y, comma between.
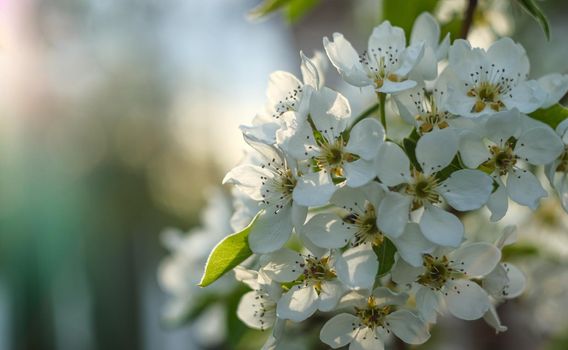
x: 333, y: 154
x: 272, y: 184
x: 257, y: 308
x: 385, y: 65
x: 374, y: 319
x: 510, y: 137
x: 355, y: 220
x: 314, y: 283
x: 286, y: 93
x: 414, y: 188
x: 555, y: 86
x: 491, y: 81
x: 426, y: 110
x: 557, y: 171
x: 427, y: 30
x: 449, y: 277
x: 505, y: 282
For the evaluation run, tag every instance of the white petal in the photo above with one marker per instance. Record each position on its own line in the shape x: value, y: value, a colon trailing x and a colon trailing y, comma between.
x: 496, y: 282
x: 367, y: 339
x: 328, y: 231
x: 467, y: 189
x: 357, y: 267
x: 555, y: 85
x: 386, y: 296
x: 299, y: 303
x: 539, y: 146
x: 470, y: 303
x: 331, y: 292
x: 498, y: 202
x: 310, y: 72
x: 248, y: 312
x: 248, y: 178
x: 338, y: 331
x: 393, y: 166
x: 502, y: 125
x: 298, y: 214
x: 476, y: 259
x: 271, y: 230
x: 517, y: 281
x: 441, y: 227
x: 436, y: 150
x: 408, y: 327
x: 428, y: 301
x: 365, y: 139
x: 527, y: 96
x: 524, y: 188
x: 329, y: 110
x: 412, y: 244
x: 344, y: 57
x: 425, y: 28
x: 280, y: 84
x: 403, y: 273
x: 409, y: 59
x: 394, y: 213
x: 472, y: 149
x: 282, y: 265
x: 314, y: 189
x: 359, y: 172
x: 506, y: 53
x: 392, y: 87
x: 508, y: 237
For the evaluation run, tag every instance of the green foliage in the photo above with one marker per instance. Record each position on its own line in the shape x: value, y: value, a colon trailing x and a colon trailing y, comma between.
x: 227, y: 254
x: 409, y: 146
x: 519, y: 250
x: 385, y: 254
x: 402, y: 13
x: 293, y: 10
x: 552, y: 116
x: 532, y: 8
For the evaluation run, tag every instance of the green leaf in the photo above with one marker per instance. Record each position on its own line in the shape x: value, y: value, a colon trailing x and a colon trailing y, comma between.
x: 402, y: 13
x: 385, y: 254
x: 296, y: 9
x: 267, y: 7
x: 519, y: 250
x: 409, y: 145
x: 532, y: 8
x: 552, y: 116
x: 227, y: 254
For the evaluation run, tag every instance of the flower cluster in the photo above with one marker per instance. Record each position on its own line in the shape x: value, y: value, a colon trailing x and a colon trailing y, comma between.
x: 366, y: 229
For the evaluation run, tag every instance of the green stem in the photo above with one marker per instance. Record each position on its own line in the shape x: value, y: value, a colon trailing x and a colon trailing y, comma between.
x: 382, y: 113
x: 365, y: 114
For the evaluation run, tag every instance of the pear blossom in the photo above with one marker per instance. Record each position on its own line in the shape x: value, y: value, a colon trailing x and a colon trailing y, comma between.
x: 491, y: 81
x: 426, y: 110
x: 505, y: 282
x: 272, y: 184
x: 385, y: 65
x: 555, y: 86
x: 355, y: 221
x: 287, y: 93
x: 336, y: 155
x: 415, y: 188
x: 449, y: 277
x: 508, y: 139
x: 427, y: 30
x: 374, y: 319
x: 557, y: 171
x: 313, y: 279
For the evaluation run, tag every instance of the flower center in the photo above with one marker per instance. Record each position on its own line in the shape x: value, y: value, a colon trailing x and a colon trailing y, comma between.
x: 367, y: 230
x: 424, y: 189
x: 437, y: 272
x: 486, y: 93
x: 332, y: 157
x: 503, y: 158
x: 373, y: 316
x: 317, y: 271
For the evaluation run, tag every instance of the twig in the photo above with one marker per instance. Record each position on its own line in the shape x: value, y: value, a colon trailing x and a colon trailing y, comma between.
x: 468, y: 19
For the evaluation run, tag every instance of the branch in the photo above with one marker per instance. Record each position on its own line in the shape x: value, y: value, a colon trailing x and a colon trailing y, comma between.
x: 468, y: 18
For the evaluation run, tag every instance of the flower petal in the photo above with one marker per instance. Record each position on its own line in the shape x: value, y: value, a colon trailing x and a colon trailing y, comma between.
x: 248, y: 312
x: 441, y: 227
x: 313, y: 189
x: 517, y: 281
x: 282, y: 265
x: 365, y: 139
x: 467, y: 189
x: 473, y: 151
x: 344, y: 57
x: 436, y: 150
x: 331, y: 292
x: 338, y: 331
x: 357, y: 267
x: 539, y: 146
x: 428, y: 302
x: 524, y: 188
x: 498, y: 201
x: 299, y: 303
x: 412, y: 244
x: 328, y: 231
x: 476, y: 259
x: 394, y: 213
x: 359, y: 172
x: 409, y: 328
x: 367, y: 339
x: 466, y: 300
x: 393, y: 166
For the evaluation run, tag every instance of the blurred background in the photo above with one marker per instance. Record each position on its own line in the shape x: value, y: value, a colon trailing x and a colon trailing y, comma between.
x: 118, y: 117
